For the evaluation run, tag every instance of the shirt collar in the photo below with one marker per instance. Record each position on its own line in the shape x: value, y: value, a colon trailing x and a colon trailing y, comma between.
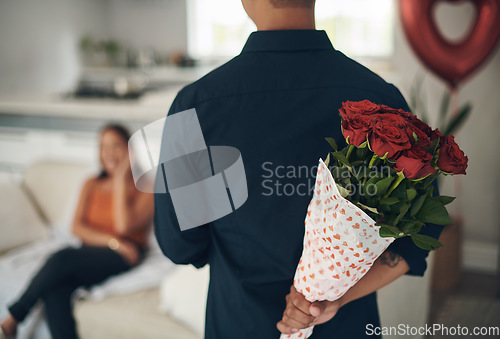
x: 287, y: 40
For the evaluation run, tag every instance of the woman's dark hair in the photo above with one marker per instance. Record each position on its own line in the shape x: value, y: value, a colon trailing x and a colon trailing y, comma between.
x: 122, y: 131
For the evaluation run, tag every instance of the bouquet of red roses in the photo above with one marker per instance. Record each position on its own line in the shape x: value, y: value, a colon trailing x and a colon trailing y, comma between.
x: 379, y: 188
x: 389, y: 165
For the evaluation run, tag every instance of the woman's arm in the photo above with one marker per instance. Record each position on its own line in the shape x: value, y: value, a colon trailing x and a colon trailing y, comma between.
x: 81, y: 229
x: 94, y: 237
x: 300, y: 313
x: 132, y: 213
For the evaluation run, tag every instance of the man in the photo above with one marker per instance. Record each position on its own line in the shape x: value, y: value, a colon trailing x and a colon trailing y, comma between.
x: 276, y: 102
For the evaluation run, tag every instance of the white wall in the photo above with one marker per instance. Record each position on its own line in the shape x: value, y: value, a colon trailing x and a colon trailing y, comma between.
x: 149, y: 23
x: 479, y: 137
x: 39, y: 40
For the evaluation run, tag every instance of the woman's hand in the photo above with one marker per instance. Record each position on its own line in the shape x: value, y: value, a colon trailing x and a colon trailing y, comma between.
x: 128, y: 251
x: 300, y: 313
x: 122, y: 171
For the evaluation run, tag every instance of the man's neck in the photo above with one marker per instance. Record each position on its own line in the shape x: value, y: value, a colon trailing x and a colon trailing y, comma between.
x: 287, y: 19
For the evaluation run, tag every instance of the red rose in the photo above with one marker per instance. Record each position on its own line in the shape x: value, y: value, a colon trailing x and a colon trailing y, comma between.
x: 415, y: 163
x: 397, y: 111
x: 451, y: 158
x: 421, y: 125
x: 359, y: 107
x: 437, y: 134
x: 343, y: 113
x: 393, y: 119
x: 423, y: 139
x: 356, y: 128
x: 386, y: 138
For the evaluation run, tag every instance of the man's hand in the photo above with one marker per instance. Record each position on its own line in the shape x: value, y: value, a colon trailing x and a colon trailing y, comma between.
x: 300, y: 313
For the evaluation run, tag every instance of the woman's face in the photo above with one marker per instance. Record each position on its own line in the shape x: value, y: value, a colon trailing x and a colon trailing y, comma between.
x: 113, y: 150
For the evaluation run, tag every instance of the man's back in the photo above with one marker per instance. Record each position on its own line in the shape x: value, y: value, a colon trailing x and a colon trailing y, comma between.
x: 276, y: 102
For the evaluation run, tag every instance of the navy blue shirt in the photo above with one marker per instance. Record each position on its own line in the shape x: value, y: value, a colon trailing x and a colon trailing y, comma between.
x: 276, y: 102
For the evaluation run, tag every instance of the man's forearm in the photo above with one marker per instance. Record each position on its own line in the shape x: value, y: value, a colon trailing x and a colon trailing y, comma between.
x: 387, y: 268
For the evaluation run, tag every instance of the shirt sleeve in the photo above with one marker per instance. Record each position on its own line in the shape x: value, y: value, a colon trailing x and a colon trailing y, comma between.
x: 182, y: 247
x: 414, y: 256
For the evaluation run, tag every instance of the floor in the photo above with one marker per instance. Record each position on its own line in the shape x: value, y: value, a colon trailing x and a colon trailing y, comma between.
x: 475, y: 302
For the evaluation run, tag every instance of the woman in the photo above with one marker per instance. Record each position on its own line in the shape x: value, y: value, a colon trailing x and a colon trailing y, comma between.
x: 112, y: 220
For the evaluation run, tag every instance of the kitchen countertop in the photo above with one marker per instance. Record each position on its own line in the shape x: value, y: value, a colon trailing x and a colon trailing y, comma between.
x: 59, y: 111
x: 51, y: 111
x: 149, y: 107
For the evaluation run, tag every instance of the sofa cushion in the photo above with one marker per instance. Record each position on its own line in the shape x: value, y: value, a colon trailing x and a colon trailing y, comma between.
x: 130, y: 316
x: 21, y: 223
x: 55, y: 186
x: 184, y: 296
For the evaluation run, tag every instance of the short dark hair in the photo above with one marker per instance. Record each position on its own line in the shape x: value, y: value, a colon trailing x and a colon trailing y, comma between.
x: 293, y: 3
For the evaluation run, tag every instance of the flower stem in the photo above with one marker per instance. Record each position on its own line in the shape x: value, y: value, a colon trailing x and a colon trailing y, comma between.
x: 395, y: 184
x: 349, y: 151
x: 372, y: 160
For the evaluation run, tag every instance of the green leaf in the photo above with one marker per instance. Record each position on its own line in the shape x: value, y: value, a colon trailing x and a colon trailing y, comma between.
x: 445, y: 200
x: 389, y: 201
x: 361, y: 153
x: 411, y: 227
x: 416, y: 205
x: 371, y: 209
x: 458, y: 119
x: 417, y: 104
x: 389, y: 231
x: 402, y: 212
x: 341, y: 158
x: 413, y: 101
x: 332, y: 143
x: 445, y: 102
x: 434, y: 212
x: 327, y: 160
x: 399, y: 192
x: 430, y: 179
x: 384, y: 209
x: 340, y: 173
x: 373, y: 180
x: 433, y: 147
x: 411, y: 193
x: 425, y: 242
x: 383, y: 185
x: 343, y: 191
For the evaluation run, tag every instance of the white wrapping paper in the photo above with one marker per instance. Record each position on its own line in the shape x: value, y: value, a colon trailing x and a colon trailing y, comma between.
x: 341, y: 243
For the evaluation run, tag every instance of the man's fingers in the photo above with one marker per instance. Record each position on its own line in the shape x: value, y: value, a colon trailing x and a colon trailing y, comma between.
x: 317, y: 308
x: 295, y: 323
x: 295, y: 318
x: 283, y: 328
x: 299, y: 301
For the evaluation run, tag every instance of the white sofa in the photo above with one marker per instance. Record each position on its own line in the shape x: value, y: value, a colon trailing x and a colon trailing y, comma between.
x: 45, y: 199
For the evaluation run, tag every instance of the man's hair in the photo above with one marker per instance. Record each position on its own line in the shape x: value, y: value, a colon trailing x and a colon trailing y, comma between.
x: 292, y: 3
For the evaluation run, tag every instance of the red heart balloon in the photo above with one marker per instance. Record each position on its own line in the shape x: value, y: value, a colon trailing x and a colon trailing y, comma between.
x: 453, y: 62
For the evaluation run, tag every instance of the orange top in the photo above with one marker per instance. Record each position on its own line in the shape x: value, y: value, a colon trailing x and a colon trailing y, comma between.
x: 100, y: 216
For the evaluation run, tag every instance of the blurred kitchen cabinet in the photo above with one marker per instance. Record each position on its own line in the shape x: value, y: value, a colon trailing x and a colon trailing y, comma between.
x: 20, y: 147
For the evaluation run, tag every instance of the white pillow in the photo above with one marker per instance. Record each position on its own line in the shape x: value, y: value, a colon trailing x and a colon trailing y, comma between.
x: 20, y: 222
x: 56, y: 187
x: 183, y: 295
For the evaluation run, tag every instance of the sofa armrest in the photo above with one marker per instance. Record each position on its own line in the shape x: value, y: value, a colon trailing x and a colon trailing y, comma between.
x: 21, y: 223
